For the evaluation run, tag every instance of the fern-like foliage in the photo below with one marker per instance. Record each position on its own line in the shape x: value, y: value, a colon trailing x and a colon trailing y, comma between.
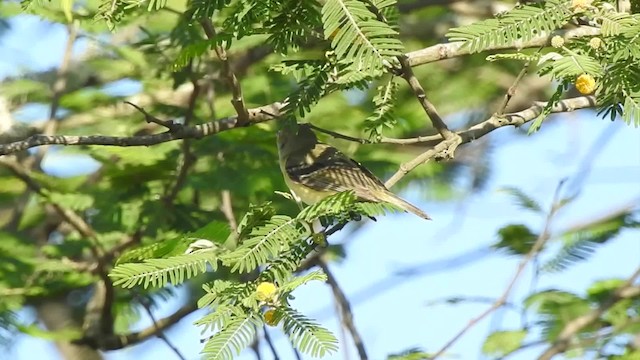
x: 570, y: 65
x: 159, y: 272
x: 580, y: 244
x: 265, y: 242
x: 237, y: 334
x: 358, y: 36
x: 522, y: 23
x: 293, y: 25
x: 306, y: 335
x: 615, y: 23
x: 383, y: 115
x: 522, y: 199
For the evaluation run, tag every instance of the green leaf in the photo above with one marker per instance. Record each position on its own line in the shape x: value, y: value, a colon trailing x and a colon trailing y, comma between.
x: 236, y: 335
x: 329, y: 206
x: 307, y: 336
x: 501, y: 343
x: 358, y: 36
x: 522, y: 23
x: 298, y: 281
x: 65, y: 334
x: 517, y: 239
x: 580, y: 243
x: 77, y: 201
x: 159, y: 272
x: 264, y: 243
x: 522, y: 199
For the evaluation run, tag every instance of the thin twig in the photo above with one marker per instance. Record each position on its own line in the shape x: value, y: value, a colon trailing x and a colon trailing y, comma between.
x: 256, y: 115
x: 513, y: 119
x: 512, y: 90
x: 535, y: 249
x: 226, y: 207
x: 188, y: 159
x: 120, y: 341
x: 169, y: 124
x: 562, y: 342
x: 455, y: 49
x: 445, y: 149
x: 427, y: 106
x: 345, y: 308
x: 159, y: 332
x: 237, y: 99
x: 58, y: 89
x: 337, y: 135
x: 269, y: 342
x: 417, y: 89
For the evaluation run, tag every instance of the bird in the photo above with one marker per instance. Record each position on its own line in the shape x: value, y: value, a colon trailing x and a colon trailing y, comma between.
x: 314, y: 170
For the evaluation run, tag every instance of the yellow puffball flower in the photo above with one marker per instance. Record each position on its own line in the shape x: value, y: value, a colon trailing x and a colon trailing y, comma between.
x: 266, y: 291
x: 557, y: 41
x: 270, y: 317
x: 585, y: 84
x: 580, y: 5
x: 595, y: 43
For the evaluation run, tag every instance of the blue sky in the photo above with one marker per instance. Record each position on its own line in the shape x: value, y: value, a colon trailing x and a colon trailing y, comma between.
x: 392, y: 312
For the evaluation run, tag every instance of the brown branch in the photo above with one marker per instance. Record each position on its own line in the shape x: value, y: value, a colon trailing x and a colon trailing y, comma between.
x: 455, y: 49
x: 226, y: 207
x: 269, y: 342
x: 58, y: 89
x: 150, y: 119
x: 497, y: 121
x: 445, y: 149
x: 502, y: 300
x: 337, y: 135
x: 345, y: 309
x: 237, y: 99
x: 512, y: 90
x: 188, y: 159
x: 115, y: 342
x: 416, y: 88
x: 427, y: 106
x: 99, y: 306
x: 562, y: 342
x: 159, y: 332
x: 256, y: 115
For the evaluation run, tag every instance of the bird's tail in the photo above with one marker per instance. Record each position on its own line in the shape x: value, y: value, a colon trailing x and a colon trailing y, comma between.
x: 399, y: 202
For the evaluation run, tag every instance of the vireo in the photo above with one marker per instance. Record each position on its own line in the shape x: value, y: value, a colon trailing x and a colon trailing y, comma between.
x: 314, y: 170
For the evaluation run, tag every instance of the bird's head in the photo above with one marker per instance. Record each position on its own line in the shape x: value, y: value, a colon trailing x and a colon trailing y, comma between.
x: 295, y: 138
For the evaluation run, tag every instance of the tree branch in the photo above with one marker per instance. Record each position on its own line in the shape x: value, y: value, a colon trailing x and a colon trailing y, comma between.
x: 445, y: 149
x: 455, y: 49
x: 58, y: 89
x: 115, y: 342
x: 502, y: 300
x: 256, y: 115
x: 159, y: 332
x: 237, y: 100
x: 345, y: 309
x: 427, y: 106
x: 562, y: 342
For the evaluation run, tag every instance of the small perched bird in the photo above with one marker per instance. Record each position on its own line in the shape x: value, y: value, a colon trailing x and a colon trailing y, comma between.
x: 314, y: 170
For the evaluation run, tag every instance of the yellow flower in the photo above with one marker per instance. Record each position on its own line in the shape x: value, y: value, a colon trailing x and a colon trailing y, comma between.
x: 557, y: 41
x: 585, y: 84
x: 580, y: 5
x: 266, y: 291
x: 595, y: 43
x: 270, y: 317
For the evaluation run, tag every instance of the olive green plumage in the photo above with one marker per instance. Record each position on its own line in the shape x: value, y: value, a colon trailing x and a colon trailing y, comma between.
x: 314, y: 170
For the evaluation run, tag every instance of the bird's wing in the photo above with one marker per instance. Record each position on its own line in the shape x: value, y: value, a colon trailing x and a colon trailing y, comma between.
x: 325, y: 168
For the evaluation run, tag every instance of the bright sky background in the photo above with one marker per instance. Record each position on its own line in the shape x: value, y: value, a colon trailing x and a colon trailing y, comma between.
x: 393, y: 312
